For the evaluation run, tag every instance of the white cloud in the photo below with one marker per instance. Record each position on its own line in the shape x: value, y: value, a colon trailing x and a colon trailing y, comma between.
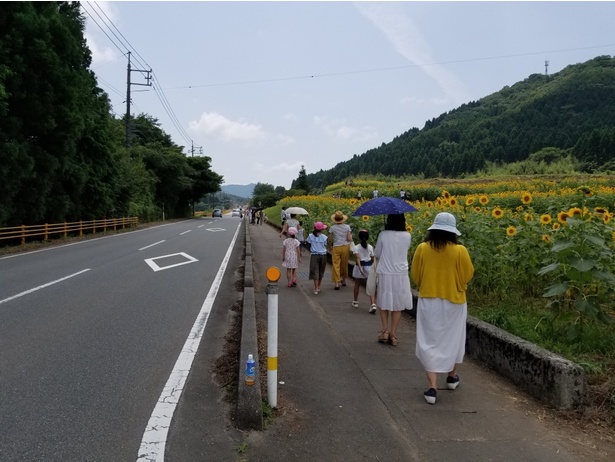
x: 340, y: 130
x: 408, y: 41
x: 281, y: 167
x: 216, y: 126
x: 100, y: 54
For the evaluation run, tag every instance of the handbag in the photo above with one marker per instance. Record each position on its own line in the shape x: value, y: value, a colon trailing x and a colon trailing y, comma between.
x: 372, y: 280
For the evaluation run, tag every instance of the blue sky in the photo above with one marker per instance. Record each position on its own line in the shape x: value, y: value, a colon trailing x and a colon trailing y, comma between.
x: 265, y: 87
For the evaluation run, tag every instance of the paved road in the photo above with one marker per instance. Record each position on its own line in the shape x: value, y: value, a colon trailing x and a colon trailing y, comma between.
x: 90, y: 333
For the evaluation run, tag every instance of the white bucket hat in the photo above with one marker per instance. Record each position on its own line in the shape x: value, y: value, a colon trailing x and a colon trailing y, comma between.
x: 446, y: 222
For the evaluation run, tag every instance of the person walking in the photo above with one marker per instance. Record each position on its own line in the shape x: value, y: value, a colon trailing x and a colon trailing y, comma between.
x: 442, y: 269
x: 375, y: 193
x: 291, y: 256
x: 318, y: 257
x: 340, y: 237
x: 364, y: 254
x: 393, y: 294
x: 301, y: 237
x: 290, y: 221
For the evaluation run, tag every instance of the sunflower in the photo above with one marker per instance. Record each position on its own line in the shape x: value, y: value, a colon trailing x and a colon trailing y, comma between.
x: 511, y: 231
x: 519, y: 208
x: 426, y: 214
x: 353, y: 201
x: 365, y: 218
x: 585, y: 190
x: 545, y: 219
x: 452, y: 201
x: 484, y: 200
x: 600, y: 210
x: 528, y: 217
x: 446, y: 194
x: 606, y: 218
x: 469, y: 201
x: 439, y: 202
x: 526, y: 198
x: 562, y: 217
x: 477, y: 209
x: 575, y: 212
x: 409, y: 228
x: 546, y: 238
x: 429, y: 204
x: 556, y: 226
x: 497, y: 212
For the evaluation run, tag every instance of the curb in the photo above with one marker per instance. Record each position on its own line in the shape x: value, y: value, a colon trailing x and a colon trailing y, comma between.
x: 249, y: 412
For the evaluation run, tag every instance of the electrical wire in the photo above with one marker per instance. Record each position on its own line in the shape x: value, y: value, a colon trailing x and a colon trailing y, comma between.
x: 140, y: 61
x: 407, y: 66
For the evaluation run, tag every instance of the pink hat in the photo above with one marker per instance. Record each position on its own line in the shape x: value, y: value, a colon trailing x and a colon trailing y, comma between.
x: 319, y: 226
x: 292, y: 231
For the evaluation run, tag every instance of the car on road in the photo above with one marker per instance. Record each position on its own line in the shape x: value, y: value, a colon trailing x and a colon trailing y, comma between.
x: 216, y: 213
x: 236, y: 213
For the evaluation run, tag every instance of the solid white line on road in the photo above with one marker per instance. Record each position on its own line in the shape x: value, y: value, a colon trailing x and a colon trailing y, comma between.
x: 152, y: 245
x: 43, y: 286
x: 155, y: 436
x: 185, y: 232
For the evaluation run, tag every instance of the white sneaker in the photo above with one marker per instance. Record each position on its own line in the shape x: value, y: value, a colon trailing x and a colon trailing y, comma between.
x: 372, y: 309
x: 355, y: 304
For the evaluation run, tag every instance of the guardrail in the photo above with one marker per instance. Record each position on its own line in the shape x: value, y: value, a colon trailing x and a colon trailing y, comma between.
x: 45, y: 230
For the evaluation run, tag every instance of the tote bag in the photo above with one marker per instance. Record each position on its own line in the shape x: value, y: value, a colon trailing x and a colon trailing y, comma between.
x: 372, y: 279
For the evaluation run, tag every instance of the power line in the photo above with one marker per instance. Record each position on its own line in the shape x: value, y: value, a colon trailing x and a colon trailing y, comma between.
x: 142, y: 62
x: 103, y: 30
x: 125, y: 39
x: 407, y: 66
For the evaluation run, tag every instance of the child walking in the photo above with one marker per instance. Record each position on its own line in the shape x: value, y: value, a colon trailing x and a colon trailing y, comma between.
x: 318, y: 258
x: 291, y: 256
x: 301, y: 237
x: 364, y: 254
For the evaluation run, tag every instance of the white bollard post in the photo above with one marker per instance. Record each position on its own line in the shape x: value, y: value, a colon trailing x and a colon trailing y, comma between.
x: 273, y: 275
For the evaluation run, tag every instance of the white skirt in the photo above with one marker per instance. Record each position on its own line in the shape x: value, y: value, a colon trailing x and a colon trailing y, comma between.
x: 440, y: 333
x: 393, y: 292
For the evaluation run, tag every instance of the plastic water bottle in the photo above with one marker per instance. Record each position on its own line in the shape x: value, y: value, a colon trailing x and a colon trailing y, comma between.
x: 250, y: 370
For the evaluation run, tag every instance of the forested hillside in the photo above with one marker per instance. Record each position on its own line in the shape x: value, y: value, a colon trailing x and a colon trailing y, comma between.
x: 572, y: 111
x: 62, y: 154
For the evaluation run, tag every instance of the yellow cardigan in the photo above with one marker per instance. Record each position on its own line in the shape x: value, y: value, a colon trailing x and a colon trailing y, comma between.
x: 442, y: 274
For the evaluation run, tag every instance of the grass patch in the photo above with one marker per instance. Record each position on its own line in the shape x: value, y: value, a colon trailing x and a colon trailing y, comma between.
x: 593, y: 349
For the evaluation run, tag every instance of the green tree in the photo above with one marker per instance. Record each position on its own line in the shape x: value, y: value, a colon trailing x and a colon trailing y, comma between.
x: 302, y: 181
x: 55, y: 141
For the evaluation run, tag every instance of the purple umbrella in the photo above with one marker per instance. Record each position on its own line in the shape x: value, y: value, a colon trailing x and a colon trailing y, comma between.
x: 384, y: 206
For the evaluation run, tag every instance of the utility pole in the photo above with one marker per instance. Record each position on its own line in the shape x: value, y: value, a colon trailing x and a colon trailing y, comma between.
x: 148, y: 78
x: 199, y: 148
x: 546, y: 67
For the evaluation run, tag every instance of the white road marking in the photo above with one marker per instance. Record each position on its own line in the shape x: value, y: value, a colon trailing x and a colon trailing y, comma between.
x: 215, y: 230
x: 155, y: 436
x: 185, y: 232
x: 152, y: 245
x: 201, y: 226
x: 43, y: 286
x: 153, y: 265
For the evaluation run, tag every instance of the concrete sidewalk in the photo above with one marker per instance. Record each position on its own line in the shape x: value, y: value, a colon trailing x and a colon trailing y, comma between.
x: 344, y: 396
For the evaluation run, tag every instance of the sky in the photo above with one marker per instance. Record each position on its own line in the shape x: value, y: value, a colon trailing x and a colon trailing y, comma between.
x: 263, y: 88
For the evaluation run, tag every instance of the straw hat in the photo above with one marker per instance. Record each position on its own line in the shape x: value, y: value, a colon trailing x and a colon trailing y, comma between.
x: 339, y: 217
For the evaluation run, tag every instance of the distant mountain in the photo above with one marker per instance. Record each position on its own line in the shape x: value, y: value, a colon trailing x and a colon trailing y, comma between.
x: 570, y: 112
x: 245, y: 191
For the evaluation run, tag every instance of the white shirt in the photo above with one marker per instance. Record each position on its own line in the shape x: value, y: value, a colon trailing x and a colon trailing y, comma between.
x: 364, y: 254
x: 392, y: 252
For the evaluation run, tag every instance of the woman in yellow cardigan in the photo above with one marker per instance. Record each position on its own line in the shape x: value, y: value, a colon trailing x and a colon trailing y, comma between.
x: 442, y: 269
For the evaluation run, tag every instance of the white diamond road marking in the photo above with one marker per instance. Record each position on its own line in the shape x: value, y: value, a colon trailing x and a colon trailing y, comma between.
x: 215, y: 230
x: 153, y: 265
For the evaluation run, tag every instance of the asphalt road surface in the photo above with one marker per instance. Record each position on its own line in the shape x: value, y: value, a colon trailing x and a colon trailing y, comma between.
x: 92, y: 332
